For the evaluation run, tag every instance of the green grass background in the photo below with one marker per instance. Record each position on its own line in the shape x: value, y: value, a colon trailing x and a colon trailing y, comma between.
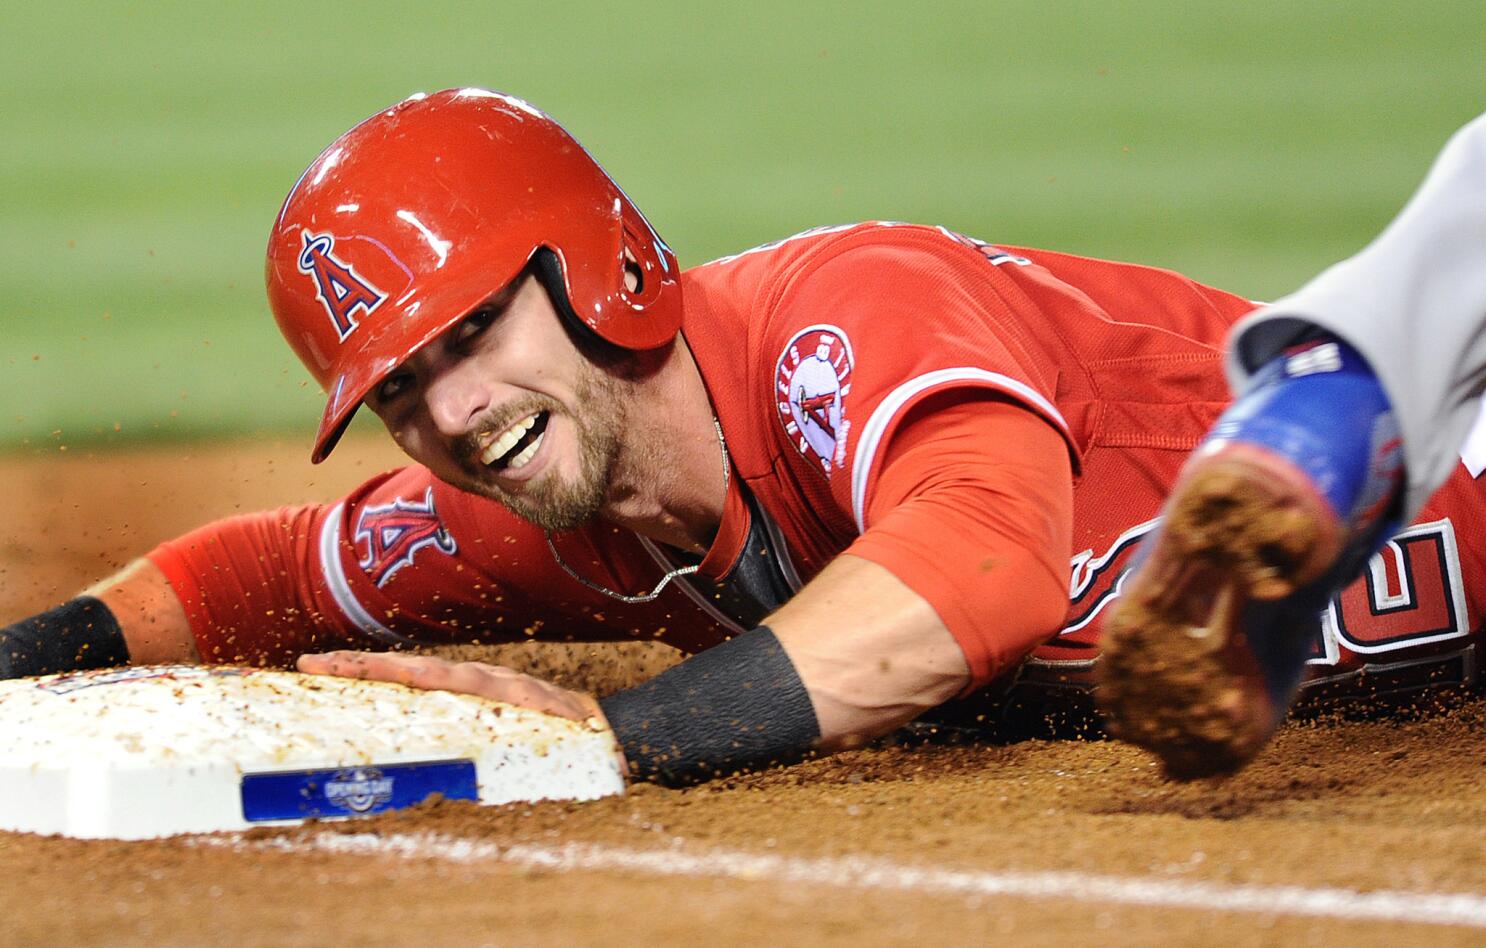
x: 144, y: 149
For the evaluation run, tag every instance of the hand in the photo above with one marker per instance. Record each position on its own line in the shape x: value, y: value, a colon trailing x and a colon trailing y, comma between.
x: 471, y: 678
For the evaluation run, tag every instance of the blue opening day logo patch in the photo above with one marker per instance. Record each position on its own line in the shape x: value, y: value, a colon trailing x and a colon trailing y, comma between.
x: 394, y: 533
x: 340, y: 289
x: 812, y: 380
x: 353, y: 791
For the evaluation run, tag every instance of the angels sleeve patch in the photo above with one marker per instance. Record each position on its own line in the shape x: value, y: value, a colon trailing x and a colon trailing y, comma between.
x: 812, y: 380
x: 392, y: 534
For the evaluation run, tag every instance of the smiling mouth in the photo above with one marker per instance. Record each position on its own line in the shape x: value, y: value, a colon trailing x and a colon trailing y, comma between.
x: 513, y: 448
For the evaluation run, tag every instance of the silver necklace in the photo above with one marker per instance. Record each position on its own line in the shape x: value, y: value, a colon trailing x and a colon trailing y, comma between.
x: 664, y: 580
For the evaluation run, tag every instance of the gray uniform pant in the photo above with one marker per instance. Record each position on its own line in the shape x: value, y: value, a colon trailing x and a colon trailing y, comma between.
x: 1413, y: 302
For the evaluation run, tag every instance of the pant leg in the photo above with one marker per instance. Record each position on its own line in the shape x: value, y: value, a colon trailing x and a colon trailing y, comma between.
x: 1413, y: 302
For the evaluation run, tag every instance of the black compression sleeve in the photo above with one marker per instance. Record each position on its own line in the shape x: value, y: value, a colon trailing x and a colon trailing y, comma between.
x: 81, y: 633
x: 738, y: 706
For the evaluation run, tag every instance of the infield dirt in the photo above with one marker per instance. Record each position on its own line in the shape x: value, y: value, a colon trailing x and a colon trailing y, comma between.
x: 1391, y: 803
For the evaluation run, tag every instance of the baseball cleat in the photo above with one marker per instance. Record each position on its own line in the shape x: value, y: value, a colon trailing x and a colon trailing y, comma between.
x: 1293, y: 489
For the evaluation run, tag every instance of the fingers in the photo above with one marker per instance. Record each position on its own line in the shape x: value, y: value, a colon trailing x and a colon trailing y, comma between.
x: 495, y: 682
x: 419, y: 671
x: 344, y: 664
x: 507, y: 685
x: 528, y: 692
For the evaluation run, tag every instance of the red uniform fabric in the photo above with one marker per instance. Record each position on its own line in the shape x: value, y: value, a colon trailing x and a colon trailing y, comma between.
x: 983, y: 535
x: 897, y: 392
x: 883, y: 316
x: 407, y: 560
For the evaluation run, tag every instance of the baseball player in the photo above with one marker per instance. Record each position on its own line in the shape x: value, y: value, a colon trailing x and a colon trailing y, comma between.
x: 846, y: 472
x: 1354, y: 397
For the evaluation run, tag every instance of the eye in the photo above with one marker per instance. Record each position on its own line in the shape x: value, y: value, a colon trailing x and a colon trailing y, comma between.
x: 393, y: 386
x: 471, y: 326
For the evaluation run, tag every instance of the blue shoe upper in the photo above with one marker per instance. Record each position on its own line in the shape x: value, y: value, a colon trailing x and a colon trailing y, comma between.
x: 1320, y: 406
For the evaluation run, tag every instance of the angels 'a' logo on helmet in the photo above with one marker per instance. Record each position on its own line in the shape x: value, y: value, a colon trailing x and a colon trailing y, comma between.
x: 394, y: 533
x: 340, y: 289
x: 812, y: 380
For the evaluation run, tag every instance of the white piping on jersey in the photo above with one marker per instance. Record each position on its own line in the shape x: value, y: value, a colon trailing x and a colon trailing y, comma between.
x: 776, y: 537
x: 1115, y: 593
x: 889, y: 407
x: 340, y: 588
x: 691, y: 591
x: 1467, y: 657
x: 1087, y: 566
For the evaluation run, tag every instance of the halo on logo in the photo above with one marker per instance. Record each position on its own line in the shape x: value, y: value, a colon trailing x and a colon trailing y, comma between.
x: 394, y: 533
x: 812, y: 379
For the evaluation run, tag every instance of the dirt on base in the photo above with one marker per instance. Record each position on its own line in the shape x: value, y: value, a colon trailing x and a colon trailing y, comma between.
x: 1360, y: 804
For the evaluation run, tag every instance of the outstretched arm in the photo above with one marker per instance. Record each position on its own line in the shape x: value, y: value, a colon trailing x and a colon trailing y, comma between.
x: 765, y: 697
x: 133, y: 616
x: 264, y: 588
x: 140, y: 616
x: 858, y: 652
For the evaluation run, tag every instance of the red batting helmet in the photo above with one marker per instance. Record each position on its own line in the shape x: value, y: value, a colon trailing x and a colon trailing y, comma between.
x: 423, y: 211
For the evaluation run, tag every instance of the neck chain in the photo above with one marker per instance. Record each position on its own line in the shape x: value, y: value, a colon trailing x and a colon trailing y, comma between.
x: 673, y: 574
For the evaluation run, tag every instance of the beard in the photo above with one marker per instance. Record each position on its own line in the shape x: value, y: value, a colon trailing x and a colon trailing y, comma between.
x: 548, y: 501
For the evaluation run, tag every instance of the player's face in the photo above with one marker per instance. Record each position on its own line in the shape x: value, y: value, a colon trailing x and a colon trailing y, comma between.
x: 505, y: 405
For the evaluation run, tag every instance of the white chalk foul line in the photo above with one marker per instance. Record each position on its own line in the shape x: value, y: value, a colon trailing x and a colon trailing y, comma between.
x: 860, y: 872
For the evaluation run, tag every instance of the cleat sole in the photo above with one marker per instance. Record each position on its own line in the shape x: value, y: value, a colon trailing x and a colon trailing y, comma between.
x: 1176, y: 676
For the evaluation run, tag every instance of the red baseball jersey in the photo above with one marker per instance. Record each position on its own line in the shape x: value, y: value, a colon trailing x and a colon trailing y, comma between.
x: 878, y: 386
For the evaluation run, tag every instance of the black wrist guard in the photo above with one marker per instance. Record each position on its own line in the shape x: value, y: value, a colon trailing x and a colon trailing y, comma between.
x: 81, y: 633
x: 735, y: 707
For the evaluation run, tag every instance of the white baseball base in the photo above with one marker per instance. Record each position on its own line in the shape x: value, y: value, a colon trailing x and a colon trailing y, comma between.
x: 158, y: 750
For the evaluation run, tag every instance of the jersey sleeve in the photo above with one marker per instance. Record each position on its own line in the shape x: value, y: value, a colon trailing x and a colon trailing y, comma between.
x: 983, y: 535
x: 247, y: 584
x: 917, y: 401
x: 403, y: 561
x: 889, y: 316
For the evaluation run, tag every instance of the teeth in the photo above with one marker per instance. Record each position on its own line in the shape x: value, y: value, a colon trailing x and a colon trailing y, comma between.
x: 526, y: 453
x: 497, y: 449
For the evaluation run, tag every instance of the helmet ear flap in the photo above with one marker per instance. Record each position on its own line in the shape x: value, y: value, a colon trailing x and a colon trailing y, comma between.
x: 547, y: 266
x: 645, y: 268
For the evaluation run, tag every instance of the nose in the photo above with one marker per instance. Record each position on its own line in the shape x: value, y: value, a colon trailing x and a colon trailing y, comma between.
x: 456, y: 397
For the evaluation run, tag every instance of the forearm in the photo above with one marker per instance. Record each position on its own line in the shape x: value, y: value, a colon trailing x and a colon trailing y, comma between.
x: 963, y: 570
x: 149, y: 614
x: 871, y: 653
x: 856, y: 655
x: 130, y: 617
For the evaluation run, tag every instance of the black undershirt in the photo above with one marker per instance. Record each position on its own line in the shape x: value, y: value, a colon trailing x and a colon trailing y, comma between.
x: 757, y: 582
